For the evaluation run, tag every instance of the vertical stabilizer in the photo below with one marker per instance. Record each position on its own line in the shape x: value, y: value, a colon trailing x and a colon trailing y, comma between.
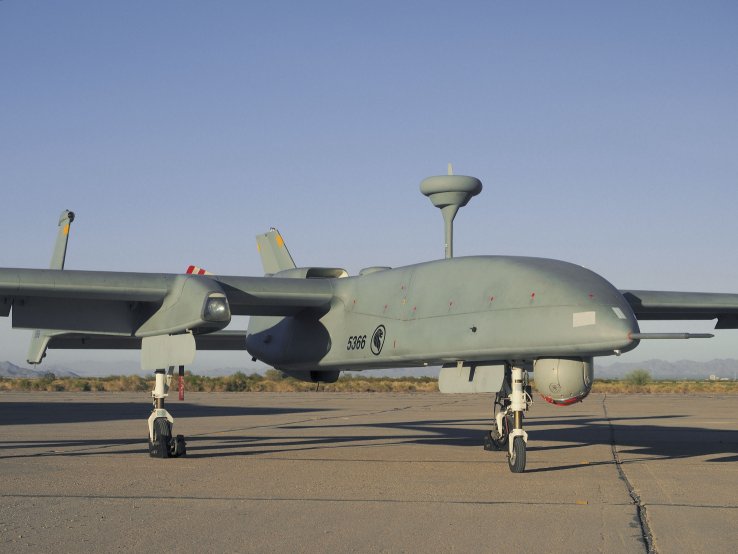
x: 41, y: 337
x: 274, y: 254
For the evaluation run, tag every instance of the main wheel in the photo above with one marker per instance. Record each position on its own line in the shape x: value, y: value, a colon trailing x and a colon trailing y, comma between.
x: 490, y: 440
x: 162, y: 445
x: 179, y: 447
x: 516, y: 460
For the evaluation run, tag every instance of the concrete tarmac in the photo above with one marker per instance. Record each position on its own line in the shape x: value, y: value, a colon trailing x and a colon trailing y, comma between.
x: 332, y: 472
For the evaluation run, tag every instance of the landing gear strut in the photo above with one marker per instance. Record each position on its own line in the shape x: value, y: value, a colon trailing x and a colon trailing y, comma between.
x: 161, y: 442
x: 509, y: 405
x: 496, y: 439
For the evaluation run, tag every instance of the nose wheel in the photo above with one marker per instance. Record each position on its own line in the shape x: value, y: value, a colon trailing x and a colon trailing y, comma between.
x: 516, y: 457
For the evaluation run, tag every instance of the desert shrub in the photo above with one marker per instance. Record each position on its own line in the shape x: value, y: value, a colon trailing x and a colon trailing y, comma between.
x: 274, y: 375
x: 238, y: 382
x: 638, y: 377
x: 639, y: 381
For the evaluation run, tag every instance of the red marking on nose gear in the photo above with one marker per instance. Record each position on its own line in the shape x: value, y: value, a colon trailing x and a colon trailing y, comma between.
x: 491, y: 298
x: 532, y: 295
x: 591, y: 295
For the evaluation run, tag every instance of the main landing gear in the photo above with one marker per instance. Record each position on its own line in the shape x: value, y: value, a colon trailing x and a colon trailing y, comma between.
x: 513, y: 399
x: 161, y: 442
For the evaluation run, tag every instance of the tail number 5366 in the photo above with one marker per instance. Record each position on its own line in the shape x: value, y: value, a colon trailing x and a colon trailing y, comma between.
x: 357, y: 342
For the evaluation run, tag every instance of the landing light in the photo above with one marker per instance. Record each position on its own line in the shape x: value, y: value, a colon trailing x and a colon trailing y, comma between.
x: 216, y: 309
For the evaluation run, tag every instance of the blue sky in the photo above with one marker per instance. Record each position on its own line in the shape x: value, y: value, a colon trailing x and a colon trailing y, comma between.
x: 605, y: 134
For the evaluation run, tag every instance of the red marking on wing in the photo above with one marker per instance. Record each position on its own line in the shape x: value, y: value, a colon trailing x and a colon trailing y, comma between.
x: 195, y: 270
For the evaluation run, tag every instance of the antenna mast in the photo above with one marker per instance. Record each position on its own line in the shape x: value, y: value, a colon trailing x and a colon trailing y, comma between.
x: 449, y: 193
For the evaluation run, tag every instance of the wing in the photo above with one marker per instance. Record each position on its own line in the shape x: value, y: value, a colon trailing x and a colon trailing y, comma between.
x: 218, y: 340
x: 655, y: 305
x: 145, y: 304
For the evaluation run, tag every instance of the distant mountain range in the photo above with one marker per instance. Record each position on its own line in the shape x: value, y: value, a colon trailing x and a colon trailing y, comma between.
x: 659, y: 369
x: 103, y: 369
x: 8, y: 369
x: 662, y: 369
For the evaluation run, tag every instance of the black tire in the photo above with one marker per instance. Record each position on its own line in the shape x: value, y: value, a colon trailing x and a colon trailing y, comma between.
x: 162, y: 445
x: 516, y: 460
x: 179, y: 446
x: 497, y: 440
x: 489, y: 441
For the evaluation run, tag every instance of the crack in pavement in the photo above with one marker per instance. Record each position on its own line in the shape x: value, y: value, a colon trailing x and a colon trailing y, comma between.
x: 646, y: 533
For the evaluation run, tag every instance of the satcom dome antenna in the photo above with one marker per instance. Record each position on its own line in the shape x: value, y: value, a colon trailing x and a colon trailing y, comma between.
x: 449, y: 193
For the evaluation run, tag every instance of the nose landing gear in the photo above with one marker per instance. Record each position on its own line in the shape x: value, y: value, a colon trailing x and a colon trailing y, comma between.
x: 510, y: 403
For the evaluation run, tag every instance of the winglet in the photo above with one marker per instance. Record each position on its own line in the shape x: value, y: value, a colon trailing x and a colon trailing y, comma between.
x: 39, y: 342
x: 274, y: 254
x: 62, y: 238
x: 41, y: 337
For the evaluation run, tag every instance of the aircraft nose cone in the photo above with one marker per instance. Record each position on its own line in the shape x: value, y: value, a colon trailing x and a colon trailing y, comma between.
x: 620, y: 324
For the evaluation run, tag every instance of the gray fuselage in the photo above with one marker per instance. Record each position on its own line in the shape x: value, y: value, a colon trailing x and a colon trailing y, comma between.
x: 477, y: 308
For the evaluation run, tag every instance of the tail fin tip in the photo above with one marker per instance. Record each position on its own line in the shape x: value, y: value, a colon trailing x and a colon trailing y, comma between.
x: 275, y: 256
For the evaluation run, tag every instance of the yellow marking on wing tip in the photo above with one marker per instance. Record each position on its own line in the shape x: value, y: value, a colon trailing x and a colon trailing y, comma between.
x: 280, y: 241
x: 582, y: 502
x: 258, y: 247
x: 66, y: 229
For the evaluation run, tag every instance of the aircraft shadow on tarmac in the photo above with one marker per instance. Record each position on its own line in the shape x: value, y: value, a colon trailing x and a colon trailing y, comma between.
x: 44, y: 413
x: 664, y: 442
x: 547, y: 434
